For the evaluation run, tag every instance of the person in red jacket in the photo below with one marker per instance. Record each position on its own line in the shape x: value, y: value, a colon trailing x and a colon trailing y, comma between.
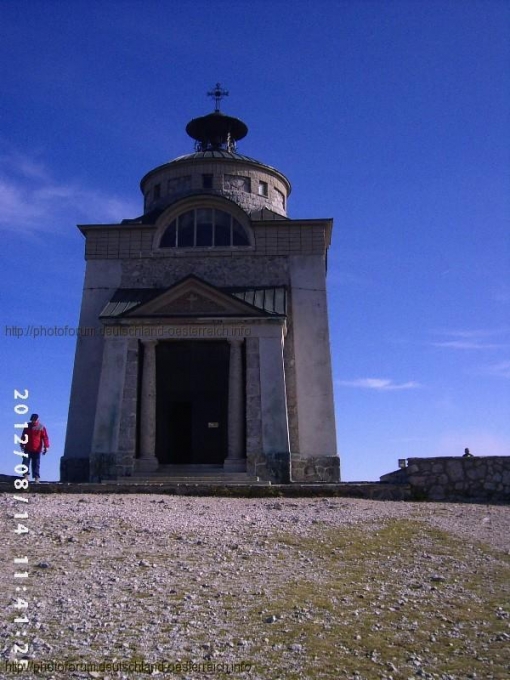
x: 36, y: 441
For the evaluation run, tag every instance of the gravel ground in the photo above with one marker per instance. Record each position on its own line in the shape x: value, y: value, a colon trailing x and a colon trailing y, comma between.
x: 265, y: 588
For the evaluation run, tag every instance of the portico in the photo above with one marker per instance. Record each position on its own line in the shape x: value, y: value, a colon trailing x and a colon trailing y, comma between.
x: 217, y: 398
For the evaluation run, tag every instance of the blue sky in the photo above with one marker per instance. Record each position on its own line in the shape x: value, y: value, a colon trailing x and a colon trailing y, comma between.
x: 391, y: 117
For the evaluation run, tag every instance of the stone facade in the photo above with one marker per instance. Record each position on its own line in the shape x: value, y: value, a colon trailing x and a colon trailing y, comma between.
x: 265, y: 296
x: 221, y: 271
x: 477, y: 478
x: 272, y: 238
x: 124, y: 465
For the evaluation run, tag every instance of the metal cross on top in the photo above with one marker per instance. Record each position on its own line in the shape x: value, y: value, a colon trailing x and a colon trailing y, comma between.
x: 217, y: 94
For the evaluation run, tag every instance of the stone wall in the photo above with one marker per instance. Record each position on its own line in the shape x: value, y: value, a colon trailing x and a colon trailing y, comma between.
x: 125, y: 458
x: 312, y: 470
x: 455, y: 478
x: 218, y: 271
x: 238, y: 180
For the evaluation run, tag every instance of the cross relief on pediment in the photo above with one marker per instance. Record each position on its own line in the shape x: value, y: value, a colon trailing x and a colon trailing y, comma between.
x: 192, y: 303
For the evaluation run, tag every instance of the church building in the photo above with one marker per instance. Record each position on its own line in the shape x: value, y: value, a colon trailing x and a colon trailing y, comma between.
x: 204, y: 340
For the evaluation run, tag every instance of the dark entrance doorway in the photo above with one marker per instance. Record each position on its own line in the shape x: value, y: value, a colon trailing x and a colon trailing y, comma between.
x: 192, y: 402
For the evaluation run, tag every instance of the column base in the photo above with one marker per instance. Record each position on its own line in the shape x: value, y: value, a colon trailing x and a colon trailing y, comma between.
x: 233, y: 465
x: 146, y: 464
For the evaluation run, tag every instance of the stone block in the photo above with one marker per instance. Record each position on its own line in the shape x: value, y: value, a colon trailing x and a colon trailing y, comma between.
x: 102, y: 466
x: 479, y: 473
x: 131, y: 381
x: 253, y: 389
x: 278, y: 467
x: 129, y: 421
x: 324, y: 469
x: 455, y: 470
x: 253, y: 444
x: 437, y: 493
x: 74, y: 469
x: 132, y: 368
x: 417, y: 480
x: 130, y: 394
x: 253, y: 405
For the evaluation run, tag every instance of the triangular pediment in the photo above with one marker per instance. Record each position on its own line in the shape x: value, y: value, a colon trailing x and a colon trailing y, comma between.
x: 194, y: 297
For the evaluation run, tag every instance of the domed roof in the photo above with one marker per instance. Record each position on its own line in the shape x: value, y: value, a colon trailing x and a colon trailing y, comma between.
x: 215, y: 155
x: 218, y: 154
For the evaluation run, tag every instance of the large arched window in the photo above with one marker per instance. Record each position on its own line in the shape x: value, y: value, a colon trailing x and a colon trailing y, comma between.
x: 204, y: 227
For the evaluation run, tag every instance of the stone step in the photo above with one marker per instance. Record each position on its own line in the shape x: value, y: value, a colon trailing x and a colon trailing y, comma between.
x: 191, y: 467
x: 157, y: 478
x: 190, y: 474
x: 190, y: 471
x: 202, y: 481
x: 215, y: 480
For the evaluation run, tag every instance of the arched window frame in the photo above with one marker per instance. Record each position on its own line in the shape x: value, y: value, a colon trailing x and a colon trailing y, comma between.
x: 175, y: 211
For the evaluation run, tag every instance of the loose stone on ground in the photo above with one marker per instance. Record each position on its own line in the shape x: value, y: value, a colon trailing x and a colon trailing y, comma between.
x: 315, y: 588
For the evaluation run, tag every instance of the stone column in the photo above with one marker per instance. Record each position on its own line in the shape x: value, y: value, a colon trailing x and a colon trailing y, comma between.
x: 235, y: 461
x: 148, y: 461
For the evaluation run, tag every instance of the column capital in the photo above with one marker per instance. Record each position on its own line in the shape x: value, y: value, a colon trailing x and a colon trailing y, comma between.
x: 235, y: 342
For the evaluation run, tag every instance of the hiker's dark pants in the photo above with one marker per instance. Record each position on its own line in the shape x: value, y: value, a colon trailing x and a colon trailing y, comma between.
x: 34, y: 460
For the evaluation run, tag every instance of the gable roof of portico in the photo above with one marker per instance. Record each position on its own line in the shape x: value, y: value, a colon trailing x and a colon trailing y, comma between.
x: 194, y: 297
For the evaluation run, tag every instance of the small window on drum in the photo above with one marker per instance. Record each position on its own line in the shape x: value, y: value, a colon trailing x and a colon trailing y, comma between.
x: 263, y: 189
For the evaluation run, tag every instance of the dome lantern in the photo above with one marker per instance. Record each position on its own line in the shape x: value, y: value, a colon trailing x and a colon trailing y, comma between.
x: 216, y: 130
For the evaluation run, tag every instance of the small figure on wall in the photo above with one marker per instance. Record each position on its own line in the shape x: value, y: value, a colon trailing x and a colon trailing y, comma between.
x: 467, y: 454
